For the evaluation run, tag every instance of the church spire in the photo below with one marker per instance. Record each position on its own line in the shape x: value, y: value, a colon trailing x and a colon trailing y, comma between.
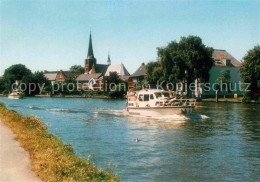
x: 90, y: 48
x: 108, y: 59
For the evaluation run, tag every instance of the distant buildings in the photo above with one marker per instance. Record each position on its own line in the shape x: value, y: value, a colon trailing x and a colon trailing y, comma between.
x: 94, y: 73
x: 60, y: 76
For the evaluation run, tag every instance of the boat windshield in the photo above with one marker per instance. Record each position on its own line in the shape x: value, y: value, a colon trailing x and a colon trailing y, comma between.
x: 162, y: 95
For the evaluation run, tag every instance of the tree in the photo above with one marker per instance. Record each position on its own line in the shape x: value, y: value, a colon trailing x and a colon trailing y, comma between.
x: 2, y: 85
x: 224, y: 82
x: 34, y: 82
x: 24, y: 75
x: 18, y: 71
x: 250, y: 71
x: 13, y: 73
x: 113, y: 78
x: 183, y: 61
x: 77, y: 69
x: 154, y: 72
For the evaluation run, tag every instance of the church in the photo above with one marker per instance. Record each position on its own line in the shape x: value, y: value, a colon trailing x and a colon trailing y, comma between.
x: 96, y: 72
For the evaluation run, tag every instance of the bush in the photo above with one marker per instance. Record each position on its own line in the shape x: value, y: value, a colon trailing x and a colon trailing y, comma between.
x: 117, y: 92
x: 246, y: 98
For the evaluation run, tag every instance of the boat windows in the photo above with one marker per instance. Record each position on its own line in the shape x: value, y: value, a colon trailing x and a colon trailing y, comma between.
x: 130, y: 104
x: 162, y: 94
x: 151, y: 97
x: 141, y: 97
x: 146, y: 97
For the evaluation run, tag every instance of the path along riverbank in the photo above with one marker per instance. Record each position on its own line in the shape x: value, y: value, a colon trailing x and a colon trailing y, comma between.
x: 51, y: 159
x: 15, y: 163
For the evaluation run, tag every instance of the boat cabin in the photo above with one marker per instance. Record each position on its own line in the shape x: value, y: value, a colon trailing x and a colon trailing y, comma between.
x: 148, y: 98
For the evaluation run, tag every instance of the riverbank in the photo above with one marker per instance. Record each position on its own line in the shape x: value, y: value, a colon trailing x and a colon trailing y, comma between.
x: 74, y: 96
x: 15, y: 161
x: 226, y: 100
x: 51, y: 159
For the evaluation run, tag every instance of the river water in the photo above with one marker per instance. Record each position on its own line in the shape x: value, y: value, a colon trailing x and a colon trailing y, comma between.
x: 221, y: 142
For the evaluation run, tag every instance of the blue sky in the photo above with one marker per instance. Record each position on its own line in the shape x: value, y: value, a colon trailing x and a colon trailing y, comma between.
x: 53, y: 35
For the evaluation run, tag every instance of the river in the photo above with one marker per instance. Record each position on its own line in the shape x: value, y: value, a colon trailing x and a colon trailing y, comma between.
x: 221, y: 142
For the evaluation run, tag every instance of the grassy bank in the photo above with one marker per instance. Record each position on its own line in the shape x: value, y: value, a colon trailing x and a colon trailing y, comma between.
x: 52, y: 160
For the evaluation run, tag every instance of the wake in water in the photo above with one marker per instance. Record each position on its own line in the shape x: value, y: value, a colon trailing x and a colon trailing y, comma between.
x: 55, y: 109
x: 167, y: 118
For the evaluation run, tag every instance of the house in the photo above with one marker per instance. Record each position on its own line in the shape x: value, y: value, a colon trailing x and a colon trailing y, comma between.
x: 60, y: 76
x: 63, y: 76
x: 51, y: 76
x: 223, y: 61
x: 139, y: 74
x: 84, y: 79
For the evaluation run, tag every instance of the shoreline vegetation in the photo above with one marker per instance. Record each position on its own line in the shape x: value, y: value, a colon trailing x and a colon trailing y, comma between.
x: 52, y: 160
x: 226, y: 100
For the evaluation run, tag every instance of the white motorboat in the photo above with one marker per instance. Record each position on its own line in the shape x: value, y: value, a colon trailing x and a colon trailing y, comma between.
x: 15, y: 95
x: 153, y: 102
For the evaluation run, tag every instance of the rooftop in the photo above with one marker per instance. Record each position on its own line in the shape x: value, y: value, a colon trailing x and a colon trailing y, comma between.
x: 220, y: 56
x: 119, y: 68
x: 141, y: 71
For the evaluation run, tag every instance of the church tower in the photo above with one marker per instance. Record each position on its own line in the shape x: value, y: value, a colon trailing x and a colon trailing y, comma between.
x: 90, y: 62
x: 108, y: 60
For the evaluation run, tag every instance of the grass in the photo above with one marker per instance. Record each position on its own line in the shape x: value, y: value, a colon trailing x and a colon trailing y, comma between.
x: 51, y: 159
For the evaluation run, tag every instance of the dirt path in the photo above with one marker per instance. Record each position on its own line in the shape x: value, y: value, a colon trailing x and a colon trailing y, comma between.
x: 14, y: 160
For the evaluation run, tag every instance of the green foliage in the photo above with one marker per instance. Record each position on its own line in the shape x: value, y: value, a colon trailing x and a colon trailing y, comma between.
x: 17, y: 72
x: 65, y: 88
x: 224, y: 78
x: 35, y: 81
x: 250, y: 71
x: 117, y: 92
x: 154, y: 72
x: 246, y: 98
x: 22, y: 74
x: 187, y: 60
x: 113, y: 78
x: 13, y: 73
x: 2, y: 86
x: 77, y: 69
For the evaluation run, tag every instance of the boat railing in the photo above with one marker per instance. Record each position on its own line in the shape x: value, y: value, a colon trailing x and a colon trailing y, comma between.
x: 180, y: 102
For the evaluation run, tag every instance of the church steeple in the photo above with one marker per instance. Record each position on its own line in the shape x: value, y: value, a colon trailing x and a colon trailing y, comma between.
x: 108, y: 59
x: 91, y: 60
x: 90, y: 48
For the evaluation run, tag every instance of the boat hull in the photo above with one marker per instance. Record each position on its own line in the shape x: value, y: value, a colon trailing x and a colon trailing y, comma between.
x: 14, y: 97
x: 155, y: 111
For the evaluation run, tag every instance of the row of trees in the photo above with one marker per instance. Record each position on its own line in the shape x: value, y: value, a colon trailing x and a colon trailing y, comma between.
x: 36, y: 80
x: 189, y: 59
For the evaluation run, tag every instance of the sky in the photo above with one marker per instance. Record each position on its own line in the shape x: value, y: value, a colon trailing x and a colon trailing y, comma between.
x: 53, y: 35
